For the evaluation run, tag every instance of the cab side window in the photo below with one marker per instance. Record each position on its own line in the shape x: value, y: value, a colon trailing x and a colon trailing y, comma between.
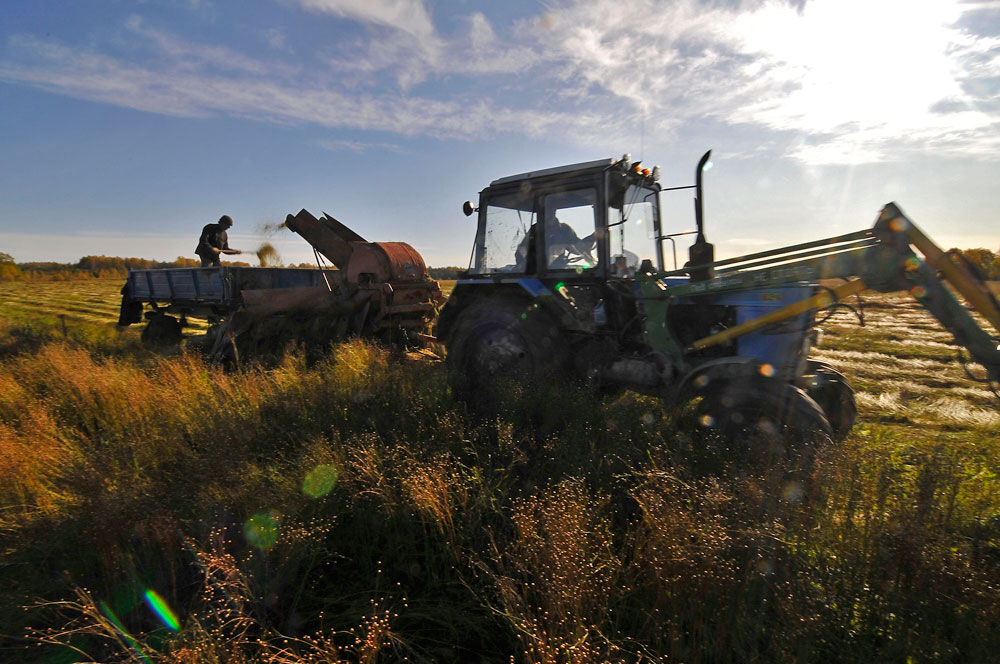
x: 570, y: 230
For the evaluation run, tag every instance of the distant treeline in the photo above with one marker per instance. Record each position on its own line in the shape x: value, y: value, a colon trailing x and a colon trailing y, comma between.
x: 114, y: 267
x: 444, y: 272
x: 987, y: 262
x: 88, y: 267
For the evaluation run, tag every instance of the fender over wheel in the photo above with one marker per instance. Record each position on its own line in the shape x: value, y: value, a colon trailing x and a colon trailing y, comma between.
x: 831, y: 390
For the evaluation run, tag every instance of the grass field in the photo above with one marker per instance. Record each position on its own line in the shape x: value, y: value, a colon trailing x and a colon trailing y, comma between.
x: 158, y: 509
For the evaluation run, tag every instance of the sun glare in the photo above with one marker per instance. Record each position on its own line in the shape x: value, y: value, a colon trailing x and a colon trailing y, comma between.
x: 853, y: 65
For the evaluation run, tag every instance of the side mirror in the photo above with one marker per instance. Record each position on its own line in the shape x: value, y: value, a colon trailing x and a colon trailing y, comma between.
x: 467, y: 208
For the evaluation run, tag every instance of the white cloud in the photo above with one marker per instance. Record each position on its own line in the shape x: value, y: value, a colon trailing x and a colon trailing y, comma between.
x: 402, y: 39
x: 661, y: 59
x: 357, y: 146
x: 94, y: 77
x: 858, y: 80
x: 188, y: 92
x: 184, y: 54
x: 829, y: 81
x: 276, y: 38
x: 479, y: 50
x: 475, y: 50
x: 408, y: 16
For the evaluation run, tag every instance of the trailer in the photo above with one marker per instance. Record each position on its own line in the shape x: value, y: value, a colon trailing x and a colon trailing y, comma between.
x: 375, y: 289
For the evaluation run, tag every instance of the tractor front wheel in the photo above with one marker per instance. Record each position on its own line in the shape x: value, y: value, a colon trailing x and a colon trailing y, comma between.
x: 764, y: 421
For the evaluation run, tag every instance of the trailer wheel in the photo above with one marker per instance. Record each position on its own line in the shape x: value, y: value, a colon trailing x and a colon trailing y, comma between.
x: 502, y: 345
x: 161, y: 330
x: 831, y: 390
x: 764, y: 421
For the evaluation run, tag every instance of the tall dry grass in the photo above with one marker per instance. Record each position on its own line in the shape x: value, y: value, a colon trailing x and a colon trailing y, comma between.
x: 348, y: 509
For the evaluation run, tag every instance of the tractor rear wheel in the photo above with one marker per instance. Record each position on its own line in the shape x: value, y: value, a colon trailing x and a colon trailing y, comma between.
x: 500, y: 346
x: 764, y: 421
x: 830, y: 389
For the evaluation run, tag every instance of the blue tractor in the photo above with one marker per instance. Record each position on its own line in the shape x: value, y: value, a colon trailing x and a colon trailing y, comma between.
x: 569, y: 280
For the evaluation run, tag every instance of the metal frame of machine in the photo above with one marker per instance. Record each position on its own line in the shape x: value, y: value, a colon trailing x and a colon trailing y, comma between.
x: 376, y: 289
x: 734, y: 332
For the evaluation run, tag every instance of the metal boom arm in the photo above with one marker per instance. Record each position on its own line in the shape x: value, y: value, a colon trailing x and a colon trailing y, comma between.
x: 881, y: 259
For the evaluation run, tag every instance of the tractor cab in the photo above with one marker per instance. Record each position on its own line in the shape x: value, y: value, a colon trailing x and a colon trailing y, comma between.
x: 579, y: 222
x: 552, y: 272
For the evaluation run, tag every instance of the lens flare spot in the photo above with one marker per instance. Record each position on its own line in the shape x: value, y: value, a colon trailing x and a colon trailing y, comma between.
x: 648, y: 419
x: 702, y: 381
x: 766, y: 370
x: 261, y: 531
x: 162, y: 610
x: 767, y: 427
x: 706, y: 421
x: 912, y: 263
x: 524, y: 315
x: 918, y: 291
x: 121, y: 630
x: 792, y: 492
x: 898, y: 224
x: 320, y: 481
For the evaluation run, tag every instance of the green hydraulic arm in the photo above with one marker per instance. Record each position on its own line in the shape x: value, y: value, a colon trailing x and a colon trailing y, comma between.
x: 880, y: 259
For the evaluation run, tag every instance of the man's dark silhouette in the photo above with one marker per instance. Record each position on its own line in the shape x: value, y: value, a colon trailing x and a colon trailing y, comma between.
x: 214, y: 242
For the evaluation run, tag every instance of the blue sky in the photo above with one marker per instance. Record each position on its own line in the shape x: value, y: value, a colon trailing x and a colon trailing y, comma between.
x: 127, y: 125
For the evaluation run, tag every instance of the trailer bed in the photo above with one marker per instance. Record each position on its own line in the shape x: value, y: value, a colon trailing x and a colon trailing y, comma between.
x: 219, y: 286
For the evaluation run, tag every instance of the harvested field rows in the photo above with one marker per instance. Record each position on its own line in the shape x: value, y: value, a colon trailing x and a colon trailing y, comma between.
x: 91, y: 302
x: 906, y: 368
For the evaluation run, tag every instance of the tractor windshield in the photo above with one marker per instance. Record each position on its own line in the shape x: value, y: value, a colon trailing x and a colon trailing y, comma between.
x: 503, y: 244
x: 633, y: 223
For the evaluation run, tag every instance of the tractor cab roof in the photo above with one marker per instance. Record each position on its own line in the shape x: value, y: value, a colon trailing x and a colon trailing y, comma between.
x: 597, y: 165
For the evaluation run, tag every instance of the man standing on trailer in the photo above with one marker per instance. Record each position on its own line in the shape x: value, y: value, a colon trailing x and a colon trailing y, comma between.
x: 214, y: 242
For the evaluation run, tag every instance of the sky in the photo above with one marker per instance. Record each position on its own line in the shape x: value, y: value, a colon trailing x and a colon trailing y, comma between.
x: 126, y: 125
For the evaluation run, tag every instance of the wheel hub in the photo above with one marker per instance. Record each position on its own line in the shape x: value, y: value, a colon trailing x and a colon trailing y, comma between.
x: 501, y: 352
